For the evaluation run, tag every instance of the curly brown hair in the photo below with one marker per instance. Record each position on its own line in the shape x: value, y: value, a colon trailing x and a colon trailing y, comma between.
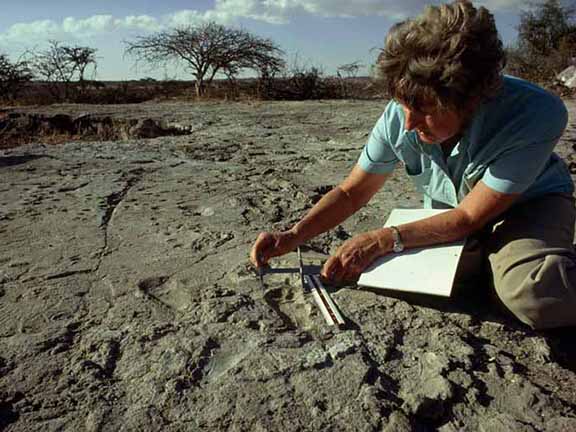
x: 448, y: 55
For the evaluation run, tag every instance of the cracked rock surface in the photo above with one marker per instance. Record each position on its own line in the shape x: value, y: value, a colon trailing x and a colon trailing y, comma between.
x: 127, y: 301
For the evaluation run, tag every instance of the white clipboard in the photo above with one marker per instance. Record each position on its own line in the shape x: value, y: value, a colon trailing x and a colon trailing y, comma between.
x: 428, y: 270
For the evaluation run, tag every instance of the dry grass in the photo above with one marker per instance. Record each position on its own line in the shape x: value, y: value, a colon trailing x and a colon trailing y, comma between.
x: 9, y: 141
x: 304, y: 87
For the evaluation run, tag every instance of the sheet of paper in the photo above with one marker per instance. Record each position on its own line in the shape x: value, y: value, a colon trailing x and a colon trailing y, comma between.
x: 429, y: 270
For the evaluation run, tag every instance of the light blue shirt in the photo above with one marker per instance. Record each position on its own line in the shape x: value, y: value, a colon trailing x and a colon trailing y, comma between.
x: 508, y: 145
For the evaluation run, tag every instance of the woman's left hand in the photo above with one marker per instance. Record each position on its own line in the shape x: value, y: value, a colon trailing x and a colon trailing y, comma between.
x: 354, y: 256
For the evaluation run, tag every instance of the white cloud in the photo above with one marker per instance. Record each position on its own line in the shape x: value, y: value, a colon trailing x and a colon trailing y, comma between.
x: 392, y: 9
x: 184, y: 18
x: 332, y: 8
x: 71, y: 28
x: 230, y: 10
x: 22, y: 31
x: 279, y: 10
x: 97, y: 23
x: 503, y: 5
x: 224, y: 11
x: 141, y: 22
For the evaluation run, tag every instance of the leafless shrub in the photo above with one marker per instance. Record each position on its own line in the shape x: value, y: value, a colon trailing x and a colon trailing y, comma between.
x: 306, y: 83
x: 346, y: 73
x: 14, y: 76
x: 82, y: 58
x: 59, y: 65
x: 207, y: 50
x: 298, y: 81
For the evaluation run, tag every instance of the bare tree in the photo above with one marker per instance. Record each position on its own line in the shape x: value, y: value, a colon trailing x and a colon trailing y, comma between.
x: 82, y: 58
x: 59, y: 65
x: 13, y: 77
x: 207, y: 50
x: 350, y: 70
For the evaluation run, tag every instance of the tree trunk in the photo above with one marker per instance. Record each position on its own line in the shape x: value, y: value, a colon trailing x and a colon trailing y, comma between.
x: 199, y: 87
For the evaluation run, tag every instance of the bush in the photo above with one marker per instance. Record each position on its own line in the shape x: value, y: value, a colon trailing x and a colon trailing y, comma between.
x: 300, y: 83
x: 546, y: 43
x: 14, y: 76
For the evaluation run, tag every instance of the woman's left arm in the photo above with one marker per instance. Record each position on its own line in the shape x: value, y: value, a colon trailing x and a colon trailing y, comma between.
x: 479, y: 207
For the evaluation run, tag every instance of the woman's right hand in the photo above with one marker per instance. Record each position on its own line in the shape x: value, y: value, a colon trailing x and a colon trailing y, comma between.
x: 272, y: 244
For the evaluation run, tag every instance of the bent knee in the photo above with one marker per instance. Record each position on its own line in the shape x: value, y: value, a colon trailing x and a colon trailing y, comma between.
x: 534, y: 313
x: 541, y: 294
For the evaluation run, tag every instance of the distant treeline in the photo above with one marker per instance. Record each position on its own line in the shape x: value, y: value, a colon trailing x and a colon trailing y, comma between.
x: 123, y: 92
x: 216, y: 56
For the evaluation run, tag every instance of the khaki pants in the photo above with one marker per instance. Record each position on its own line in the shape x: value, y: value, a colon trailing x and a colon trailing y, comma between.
x: 530, y: 256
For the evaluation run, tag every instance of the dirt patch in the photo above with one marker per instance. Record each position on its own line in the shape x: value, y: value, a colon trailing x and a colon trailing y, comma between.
x: 21, y: 128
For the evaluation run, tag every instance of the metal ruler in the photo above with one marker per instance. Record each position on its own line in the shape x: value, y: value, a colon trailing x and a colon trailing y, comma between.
x: 311, y: 283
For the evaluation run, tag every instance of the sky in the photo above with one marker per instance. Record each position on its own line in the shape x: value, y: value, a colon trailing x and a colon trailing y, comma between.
x: 320, y: 33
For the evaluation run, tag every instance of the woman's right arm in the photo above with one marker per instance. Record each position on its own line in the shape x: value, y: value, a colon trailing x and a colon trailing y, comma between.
x: 333, y: 209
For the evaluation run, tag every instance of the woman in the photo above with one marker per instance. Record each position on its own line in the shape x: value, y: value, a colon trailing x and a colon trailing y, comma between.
x: 475, y: 142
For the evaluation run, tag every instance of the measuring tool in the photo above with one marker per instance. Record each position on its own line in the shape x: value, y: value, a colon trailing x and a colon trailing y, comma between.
x: 311, y: 283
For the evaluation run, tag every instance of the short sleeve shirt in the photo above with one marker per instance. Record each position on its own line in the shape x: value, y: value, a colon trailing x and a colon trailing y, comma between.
x: 508, y: 145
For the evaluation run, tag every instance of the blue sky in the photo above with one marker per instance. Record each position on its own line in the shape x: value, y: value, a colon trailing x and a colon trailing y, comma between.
x: 324, y: 33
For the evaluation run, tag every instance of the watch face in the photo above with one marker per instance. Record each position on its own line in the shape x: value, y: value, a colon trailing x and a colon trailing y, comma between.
x: 398, y: 246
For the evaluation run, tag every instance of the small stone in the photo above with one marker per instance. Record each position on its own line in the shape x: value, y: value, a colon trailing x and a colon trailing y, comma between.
x: 427, y: 400
x: 146, y: 128
x: 426, y: 395
x: 317, y: 358
x: 3, y: 277
x: 345, y: 344
x: 502, y: 422
x: 208, y: 211
x: 398, y: 422
x: 561, y: 424
x: 95, y: 419
x: 461, y: 378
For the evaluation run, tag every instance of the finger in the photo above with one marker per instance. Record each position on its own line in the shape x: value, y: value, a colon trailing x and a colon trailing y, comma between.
x: 258, y: 254
x: 354, y: 270
x: 358, y: 268
x: 351, y: 276
x: 336, y: 272
x: 254, y: 258
x: 329, y: 267
x: 351, y: 267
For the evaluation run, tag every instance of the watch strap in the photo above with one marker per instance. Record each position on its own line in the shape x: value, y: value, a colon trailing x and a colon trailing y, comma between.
x: 398, y: 246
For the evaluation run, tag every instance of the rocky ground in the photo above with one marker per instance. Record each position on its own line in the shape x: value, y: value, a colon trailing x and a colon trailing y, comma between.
x: 127, y: 301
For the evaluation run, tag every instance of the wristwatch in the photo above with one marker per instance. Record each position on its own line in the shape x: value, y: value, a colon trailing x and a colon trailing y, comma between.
x: 398, y: 245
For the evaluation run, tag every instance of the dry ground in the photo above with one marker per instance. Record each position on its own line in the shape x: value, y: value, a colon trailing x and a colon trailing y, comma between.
x: 127, y: 301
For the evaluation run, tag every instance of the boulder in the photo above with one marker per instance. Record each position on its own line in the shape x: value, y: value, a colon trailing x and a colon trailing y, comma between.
x: 568, y: 76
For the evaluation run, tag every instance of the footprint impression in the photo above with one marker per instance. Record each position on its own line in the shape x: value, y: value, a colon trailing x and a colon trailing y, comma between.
x: 168, y: 292
x: 289, y: 302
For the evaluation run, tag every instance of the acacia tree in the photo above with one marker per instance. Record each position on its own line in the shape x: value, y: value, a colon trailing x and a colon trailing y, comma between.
x: 59, y: 65
x: 546, y: 41
x: 207, y: 50
x: 13, y: 77
x: 82, y: 58
x: 349, y: 70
